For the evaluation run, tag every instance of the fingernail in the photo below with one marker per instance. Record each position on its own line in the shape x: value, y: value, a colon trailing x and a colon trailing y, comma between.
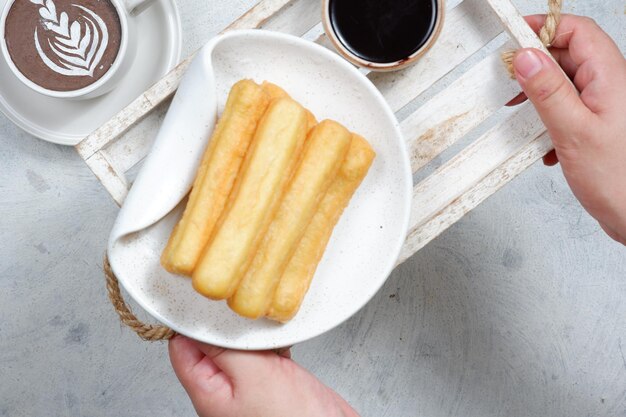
x: 528, y: 63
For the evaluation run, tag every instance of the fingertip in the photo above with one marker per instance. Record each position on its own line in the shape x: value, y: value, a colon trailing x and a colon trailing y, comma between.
x: 210, y: 350
x: 178, y: 343
x: 588, y: 23
x: 207, y: 386
x: 613, y: 234
x: 548, y: 87
x: 174, y: 343
x: 184, y: 355
x: 536, y: 21
x: 528, y: 63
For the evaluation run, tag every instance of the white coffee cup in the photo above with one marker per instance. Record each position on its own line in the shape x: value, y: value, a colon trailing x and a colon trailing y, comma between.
x: 128, y: 41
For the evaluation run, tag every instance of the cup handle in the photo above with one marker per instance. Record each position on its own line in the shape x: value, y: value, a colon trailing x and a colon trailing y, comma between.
x: 134, y: 6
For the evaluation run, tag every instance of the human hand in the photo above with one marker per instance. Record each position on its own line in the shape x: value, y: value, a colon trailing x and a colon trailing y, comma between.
x: 227, y: 383
x: 588, y: 130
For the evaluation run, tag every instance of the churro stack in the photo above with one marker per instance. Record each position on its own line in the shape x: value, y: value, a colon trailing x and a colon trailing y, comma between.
x: 271, y: 187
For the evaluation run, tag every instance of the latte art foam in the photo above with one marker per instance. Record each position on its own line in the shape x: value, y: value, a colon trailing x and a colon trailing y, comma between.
x: 63, y: 45
x: 75, y: 49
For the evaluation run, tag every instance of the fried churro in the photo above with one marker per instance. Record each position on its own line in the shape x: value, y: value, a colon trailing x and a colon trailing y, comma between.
x: 275, y: 92
x: 296, y: 279
x: 268, y: 166
x: 325, y: 150
x: 221, y: 162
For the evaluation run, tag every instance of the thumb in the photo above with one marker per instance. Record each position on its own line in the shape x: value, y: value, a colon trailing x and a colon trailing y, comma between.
x: 240, y: 365
x: 553, y: 95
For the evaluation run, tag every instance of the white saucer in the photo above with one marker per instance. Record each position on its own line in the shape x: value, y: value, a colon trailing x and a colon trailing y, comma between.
x: 364, y: 246
x: 68, y: 122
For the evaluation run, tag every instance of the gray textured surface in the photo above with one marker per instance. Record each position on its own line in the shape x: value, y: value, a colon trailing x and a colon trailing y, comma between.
x: 518, y: 310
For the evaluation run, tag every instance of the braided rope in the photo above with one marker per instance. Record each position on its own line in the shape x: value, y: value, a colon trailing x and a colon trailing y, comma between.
x: 546, y: 34
x: 148, y: 332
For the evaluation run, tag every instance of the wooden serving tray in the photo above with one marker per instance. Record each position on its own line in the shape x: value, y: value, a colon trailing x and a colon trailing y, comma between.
x: 461, y: 183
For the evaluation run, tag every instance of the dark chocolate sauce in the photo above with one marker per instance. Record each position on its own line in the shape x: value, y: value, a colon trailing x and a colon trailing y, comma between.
x: 383, y: 31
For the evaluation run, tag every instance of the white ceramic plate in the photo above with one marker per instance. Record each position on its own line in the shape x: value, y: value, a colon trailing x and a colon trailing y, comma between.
x: 68, y: 122
x: 365, y: 244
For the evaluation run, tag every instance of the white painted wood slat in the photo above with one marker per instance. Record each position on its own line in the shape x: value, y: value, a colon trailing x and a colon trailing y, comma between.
x: 133, y: 147
x: 420, y: 235
x: 296, y: 18
x: 458, y: 109
x: 114, y: 181
x: 475, y: 162
x: 515, y: 25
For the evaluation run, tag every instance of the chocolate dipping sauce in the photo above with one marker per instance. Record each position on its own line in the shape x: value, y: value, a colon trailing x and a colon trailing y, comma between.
x: 383, y: 31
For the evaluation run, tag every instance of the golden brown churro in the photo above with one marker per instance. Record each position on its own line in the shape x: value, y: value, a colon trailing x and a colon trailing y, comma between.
x: 324, y: 153
x: 275, y: 92
x: 222, y: 160
x: 296, y: 279
x: 269, y: 165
